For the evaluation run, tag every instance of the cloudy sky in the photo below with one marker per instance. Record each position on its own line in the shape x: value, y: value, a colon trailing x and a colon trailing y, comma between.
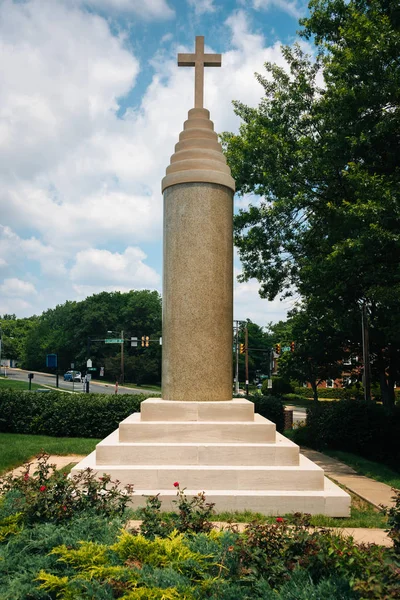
x: 91, y: 106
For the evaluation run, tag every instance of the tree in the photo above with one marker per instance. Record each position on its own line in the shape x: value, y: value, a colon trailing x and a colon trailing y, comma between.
x: 324, y: 158
x: 71, y: 329
x: 319, y: 348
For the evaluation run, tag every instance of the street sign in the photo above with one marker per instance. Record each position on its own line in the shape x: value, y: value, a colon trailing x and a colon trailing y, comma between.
x: 88, y: 377
x: 89, y: 363
x: 92, y: 368
x: 101, y: 371
x: 72, y: 365
x: 30, y: 375
x: 285, y: 348
x: 133, y: 342
x: 269, y: 384
x: 51, y: 361
x: 114, y: 341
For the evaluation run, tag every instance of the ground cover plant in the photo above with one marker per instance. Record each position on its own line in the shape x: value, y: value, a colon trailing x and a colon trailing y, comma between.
x: 88, y: 551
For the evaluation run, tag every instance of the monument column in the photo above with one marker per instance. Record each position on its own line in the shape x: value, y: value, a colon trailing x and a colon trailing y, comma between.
x: 198, y: 256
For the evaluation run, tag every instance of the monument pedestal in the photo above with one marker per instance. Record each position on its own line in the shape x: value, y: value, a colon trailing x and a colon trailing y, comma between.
x: 222, y: 448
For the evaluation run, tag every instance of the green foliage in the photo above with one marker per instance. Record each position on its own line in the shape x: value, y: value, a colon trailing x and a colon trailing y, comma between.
x: 332, y: 393
x: 66, y: 329
x: 193, y: 515
x: 353, y: 426
x: 280, y: 386
x: 265, y: 562
x: 63, y: 414
x: 10, y: 525
x: 49, y: 495
x: 393, y: 514
x: 324, y: 159
x: 270, y: 407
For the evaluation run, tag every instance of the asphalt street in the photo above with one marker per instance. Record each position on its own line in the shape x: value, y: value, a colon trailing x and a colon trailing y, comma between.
x: 50, y: 379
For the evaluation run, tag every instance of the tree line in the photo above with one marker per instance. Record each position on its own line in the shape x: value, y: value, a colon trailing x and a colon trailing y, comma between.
x: 321, y: 151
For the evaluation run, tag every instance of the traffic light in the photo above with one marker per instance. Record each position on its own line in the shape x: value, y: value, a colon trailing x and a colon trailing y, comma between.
x: 143, y: 339
x: 147, y: 339
x: 242, y: 349
x: 291, y: 346
x: 277, y: 348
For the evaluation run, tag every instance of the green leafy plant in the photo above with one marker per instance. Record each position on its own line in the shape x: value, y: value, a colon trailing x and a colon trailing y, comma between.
x: 52, y: 496
x: 393, y: 514
x: 193, y: 515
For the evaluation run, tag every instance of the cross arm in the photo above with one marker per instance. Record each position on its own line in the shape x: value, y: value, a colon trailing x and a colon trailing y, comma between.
x: 212, y: 60
x: 186, y: 60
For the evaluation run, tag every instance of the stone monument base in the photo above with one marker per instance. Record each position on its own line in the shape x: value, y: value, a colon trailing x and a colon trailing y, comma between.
x: 222, y: 448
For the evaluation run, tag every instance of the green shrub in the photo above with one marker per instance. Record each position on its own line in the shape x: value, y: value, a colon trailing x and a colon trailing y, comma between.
x: 393, y: 514
x: 65, y: 415
x: 270, y: 407
x: 353, y: 426
x: 293, y: 397
x: 279, y: 386
x: 48, y: 495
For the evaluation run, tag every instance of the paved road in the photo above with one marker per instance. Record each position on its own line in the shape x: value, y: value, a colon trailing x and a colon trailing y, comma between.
x: 47, y: 379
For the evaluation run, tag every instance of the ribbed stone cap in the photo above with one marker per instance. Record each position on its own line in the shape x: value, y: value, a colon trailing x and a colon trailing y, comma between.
x: 198, y: 154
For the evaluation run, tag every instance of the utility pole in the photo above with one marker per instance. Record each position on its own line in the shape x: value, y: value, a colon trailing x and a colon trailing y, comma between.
x: 122, y: 356
x: 237, y: 357
x: 366, y: 360
x: 246, y: 347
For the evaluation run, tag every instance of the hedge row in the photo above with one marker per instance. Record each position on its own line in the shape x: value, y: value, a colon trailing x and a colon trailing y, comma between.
x: 353, y: 426
x: 88, y: 415
x: 65, y: 415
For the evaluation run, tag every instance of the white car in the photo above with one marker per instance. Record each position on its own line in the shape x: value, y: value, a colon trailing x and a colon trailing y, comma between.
x: 73, y: 376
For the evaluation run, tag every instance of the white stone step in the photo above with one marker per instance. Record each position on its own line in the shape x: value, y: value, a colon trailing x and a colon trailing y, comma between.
x: 133, y: 429
x: 330, y: 500
x: 110, y: 452
x: 305, y: 476
x: 156, y: 409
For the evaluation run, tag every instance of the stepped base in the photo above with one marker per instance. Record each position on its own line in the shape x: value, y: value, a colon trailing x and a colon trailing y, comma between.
x: 222, y: 449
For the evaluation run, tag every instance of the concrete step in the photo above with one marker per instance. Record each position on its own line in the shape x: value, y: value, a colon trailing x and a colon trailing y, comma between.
x: 329, y: 500
x: 111, y: 451
x: 305, y: 476
x: 133, y: 429
x: 156, y: 409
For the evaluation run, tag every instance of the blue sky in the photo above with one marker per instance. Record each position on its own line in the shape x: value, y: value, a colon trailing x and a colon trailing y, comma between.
x: 91, y: 106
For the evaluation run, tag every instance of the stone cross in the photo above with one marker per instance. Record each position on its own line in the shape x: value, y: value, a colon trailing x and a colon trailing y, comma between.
x: 199, y: 60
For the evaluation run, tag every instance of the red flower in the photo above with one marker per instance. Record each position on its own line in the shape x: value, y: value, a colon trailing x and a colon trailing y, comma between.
x: 279, y: 520
x: 64, y: 508
x: 42, y: 488
x: 176, y: 484
x: 26, y: 476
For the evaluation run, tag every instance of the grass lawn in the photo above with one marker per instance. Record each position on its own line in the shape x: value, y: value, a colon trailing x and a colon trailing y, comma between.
x: 7, y: 384
x: 367, y: 467
x: 15, y: 449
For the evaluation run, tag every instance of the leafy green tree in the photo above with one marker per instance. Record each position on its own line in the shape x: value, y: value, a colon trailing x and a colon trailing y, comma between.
x: 324, y: 159
x: 75, y: 330
x: 319, y: 349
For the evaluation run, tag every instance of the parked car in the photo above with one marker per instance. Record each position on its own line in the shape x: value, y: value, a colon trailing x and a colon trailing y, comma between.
x: 73, y: 376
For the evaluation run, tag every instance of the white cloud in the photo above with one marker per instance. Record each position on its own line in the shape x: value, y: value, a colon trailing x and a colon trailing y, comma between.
x: 288, y: 6
x: 16, y: 287
x: 74, y: 174
x: 202, y: 6
x: 105, y: 269
x: 149, y: 9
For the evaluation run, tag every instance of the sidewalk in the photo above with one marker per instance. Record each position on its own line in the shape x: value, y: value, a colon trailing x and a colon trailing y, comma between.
x: 372, y: 491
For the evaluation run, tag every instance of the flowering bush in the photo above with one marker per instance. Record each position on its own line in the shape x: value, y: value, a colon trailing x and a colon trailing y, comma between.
x: 193, y: 515
x: 52, y: 496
